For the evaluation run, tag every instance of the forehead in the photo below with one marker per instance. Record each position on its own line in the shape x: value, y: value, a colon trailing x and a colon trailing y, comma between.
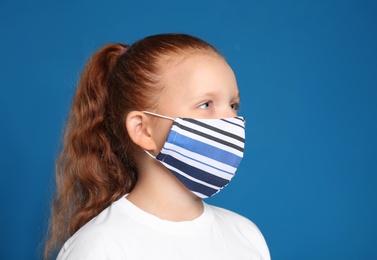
x: 198, y: 69
x: 196, y: 79
x: 195, y: 66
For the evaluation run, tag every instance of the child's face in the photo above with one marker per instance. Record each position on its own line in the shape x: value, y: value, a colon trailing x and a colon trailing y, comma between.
x: 203, y: 86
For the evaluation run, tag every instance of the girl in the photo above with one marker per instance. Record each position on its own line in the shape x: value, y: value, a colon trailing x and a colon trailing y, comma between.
x: 153, y: 129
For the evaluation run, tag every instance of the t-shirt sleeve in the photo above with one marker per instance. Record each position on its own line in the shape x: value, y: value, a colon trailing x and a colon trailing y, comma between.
x: 247, y: 230
x: 256, y: 238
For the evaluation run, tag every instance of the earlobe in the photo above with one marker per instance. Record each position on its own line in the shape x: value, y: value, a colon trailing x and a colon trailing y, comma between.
x: 139, y: 130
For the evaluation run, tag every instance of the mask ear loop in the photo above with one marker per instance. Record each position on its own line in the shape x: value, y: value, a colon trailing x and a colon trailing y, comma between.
x: 154, y: 114
x: 151, y: 155
x: 161, y: 116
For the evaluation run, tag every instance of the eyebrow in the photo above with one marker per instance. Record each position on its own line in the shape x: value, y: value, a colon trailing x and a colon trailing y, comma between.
x: 211, y: 94
x: 238, y: 96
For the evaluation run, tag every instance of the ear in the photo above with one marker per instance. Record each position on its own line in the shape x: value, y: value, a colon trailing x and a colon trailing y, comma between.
x: 139, y: 129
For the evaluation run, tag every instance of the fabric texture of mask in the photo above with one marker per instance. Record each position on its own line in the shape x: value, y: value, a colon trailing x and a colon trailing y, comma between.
x: 204, y: 153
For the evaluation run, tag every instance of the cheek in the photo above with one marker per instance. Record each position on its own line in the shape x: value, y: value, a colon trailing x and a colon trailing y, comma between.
x: 161, y: 133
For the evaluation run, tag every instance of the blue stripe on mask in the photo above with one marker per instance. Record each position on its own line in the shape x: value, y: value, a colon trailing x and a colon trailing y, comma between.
x: 204, y: 149
x: 194, y: 186
x: 170, y: 152
x: 195, y: 172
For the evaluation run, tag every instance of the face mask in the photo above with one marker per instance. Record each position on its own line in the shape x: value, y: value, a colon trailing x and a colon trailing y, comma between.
x: 203, y: 153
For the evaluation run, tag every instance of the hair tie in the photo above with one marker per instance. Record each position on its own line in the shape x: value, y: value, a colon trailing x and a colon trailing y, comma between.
x: 123, y: 51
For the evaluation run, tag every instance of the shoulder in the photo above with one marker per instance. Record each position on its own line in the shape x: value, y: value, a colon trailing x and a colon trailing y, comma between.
x: 87, y: 245
x: 241, y: 227
x: 232, y: 218
x: 96, y: 239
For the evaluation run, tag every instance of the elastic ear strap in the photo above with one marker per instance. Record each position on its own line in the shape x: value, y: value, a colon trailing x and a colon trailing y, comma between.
x: 151, y: 155
x: 154, y: 114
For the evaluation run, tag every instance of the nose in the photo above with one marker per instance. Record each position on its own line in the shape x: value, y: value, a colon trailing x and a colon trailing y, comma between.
x: 226, y: 112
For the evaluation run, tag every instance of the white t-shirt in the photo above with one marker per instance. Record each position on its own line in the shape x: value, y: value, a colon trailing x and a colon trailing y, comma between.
x: 124, y: 231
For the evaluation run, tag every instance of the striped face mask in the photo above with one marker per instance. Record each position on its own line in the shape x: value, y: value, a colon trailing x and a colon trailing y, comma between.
x: 203, y: 153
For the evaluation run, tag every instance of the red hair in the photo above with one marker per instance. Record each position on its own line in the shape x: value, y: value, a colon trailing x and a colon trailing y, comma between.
x: 96, y: 165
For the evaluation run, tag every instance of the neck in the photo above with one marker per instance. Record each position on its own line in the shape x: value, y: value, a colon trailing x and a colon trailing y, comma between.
x: 161, y: 194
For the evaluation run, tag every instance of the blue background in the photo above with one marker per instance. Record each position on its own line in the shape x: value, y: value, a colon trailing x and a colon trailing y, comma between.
x: 307, y: 74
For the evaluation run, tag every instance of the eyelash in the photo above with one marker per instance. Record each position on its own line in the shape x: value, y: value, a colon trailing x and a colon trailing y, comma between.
x: 205, y: 103
x: 234, y: 106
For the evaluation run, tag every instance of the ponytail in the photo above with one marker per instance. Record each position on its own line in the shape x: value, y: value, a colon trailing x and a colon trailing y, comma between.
x: 89, y: 176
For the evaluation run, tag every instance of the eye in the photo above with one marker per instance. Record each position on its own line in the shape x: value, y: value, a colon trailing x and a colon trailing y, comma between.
x: 205, y: 105
x: 235, y: 106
